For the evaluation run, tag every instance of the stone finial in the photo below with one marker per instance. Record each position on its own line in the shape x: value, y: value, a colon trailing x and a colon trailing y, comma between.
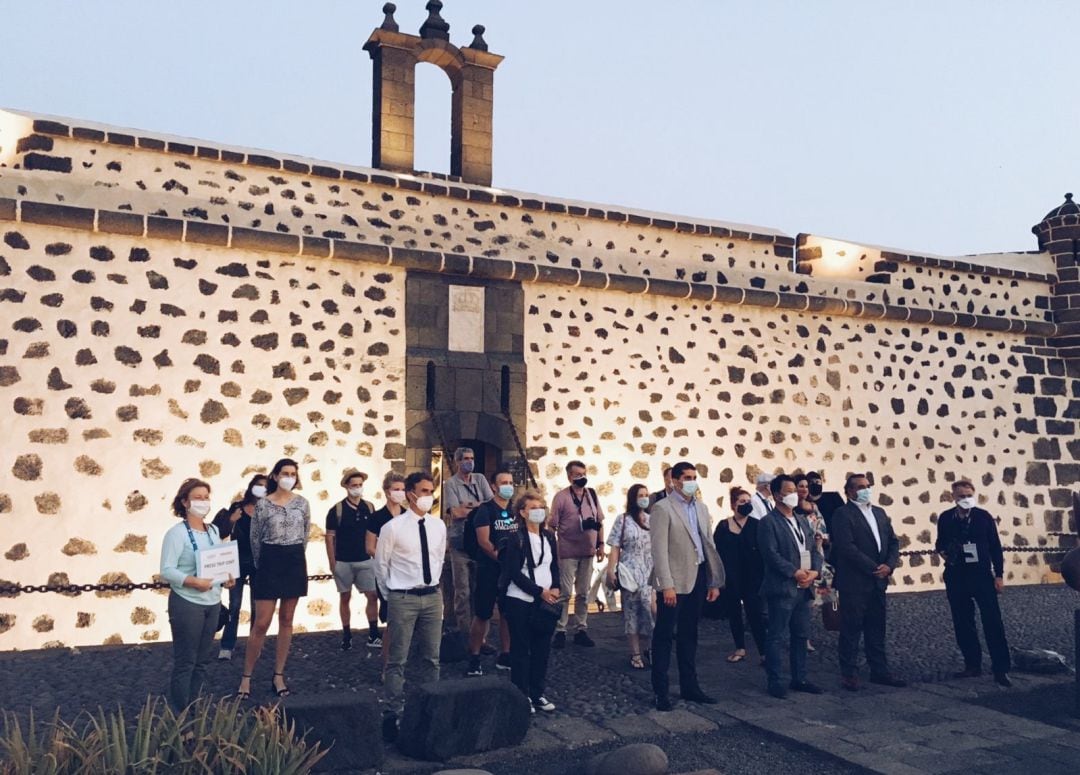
x: 435, y: 26
x: 389, y: 23
x: 478, y: 41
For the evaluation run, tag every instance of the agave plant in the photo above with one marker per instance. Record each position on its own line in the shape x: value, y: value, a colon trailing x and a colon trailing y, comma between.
x: 206, y: 737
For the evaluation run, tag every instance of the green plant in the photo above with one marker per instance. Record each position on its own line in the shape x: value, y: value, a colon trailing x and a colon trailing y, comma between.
x: 206, y: 737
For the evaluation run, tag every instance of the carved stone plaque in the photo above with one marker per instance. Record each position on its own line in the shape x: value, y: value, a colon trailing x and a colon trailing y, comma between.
x: 466, y: 326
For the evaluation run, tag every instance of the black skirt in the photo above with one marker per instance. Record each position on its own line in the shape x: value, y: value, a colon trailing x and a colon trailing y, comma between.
x: 282, y: 573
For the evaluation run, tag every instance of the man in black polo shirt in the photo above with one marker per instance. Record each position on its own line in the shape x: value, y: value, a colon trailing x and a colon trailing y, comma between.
x: 826, y: 502
x: 346, y: 548
x: 494, y: 523
x: 974, y: 573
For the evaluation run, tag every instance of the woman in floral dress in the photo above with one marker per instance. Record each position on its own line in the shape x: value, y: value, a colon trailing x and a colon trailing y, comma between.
x: 631, y: 548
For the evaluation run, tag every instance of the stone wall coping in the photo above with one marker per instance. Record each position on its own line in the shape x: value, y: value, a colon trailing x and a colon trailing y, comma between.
x: 968, y: 264
x: 234, y: 237
x: 436, y: 184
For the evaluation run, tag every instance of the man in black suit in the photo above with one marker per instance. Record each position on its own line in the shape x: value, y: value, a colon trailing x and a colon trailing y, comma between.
x: 659, y: 495
x: 974, y: 573
x: 865, y: 551
x: 827, y: 502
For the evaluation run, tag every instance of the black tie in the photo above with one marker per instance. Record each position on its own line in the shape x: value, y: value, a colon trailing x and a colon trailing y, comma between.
x: 424, y: 551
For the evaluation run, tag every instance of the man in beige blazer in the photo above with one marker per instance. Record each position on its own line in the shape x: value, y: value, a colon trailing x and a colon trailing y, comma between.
x: 685, y: 565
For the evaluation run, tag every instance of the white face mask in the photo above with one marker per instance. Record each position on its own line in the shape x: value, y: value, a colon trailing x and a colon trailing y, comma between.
x: 690, y: 488
x: 396, y: 496
x: 537, y: 516
x: 791, y: 500
x: 287, y: 483
x: 967, y: 503
x: 356, y: 492
x: 424, y: 503
x: 259, y: 491
x: 643, y: 503
x: 199, y: 508
x: 864, y: 495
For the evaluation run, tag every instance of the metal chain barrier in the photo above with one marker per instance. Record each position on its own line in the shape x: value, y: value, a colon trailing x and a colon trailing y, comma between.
x: 11, y: 590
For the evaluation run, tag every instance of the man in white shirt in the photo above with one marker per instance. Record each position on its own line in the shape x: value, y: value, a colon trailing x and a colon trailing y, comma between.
x: 865, y: 551
x: 762, y: 499
x: 408, y: 565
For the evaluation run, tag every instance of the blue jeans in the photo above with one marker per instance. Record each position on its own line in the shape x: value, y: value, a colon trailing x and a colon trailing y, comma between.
x: 789, y: 617
x: 236, y: 602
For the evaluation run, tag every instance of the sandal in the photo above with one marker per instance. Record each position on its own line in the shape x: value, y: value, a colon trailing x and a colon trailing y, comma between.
x: 284, y: 690
x: 637, y: 662
x: 240, y: 693
x: 737, y: 656
x: 810, y: 647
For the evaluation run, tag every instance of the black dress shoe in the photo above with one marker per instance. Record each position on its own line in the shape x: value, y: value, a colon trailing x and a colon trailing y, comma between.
x: 559, y: 641
x: 806, y: 687
x: 662, y: 702
x: 888, y: 680
x: 850, y: 682
x: 699, y: 697
x: 1002, y: 679
x: 777, y: 691
x: 968, y: 672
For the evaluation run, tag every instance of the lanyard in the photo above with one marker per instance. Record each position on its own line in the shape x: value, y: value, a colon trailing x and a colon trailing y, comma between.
x: 800, y: 536
x: 191, y: 537
x: 529, y: 563
x: 761, y: 498
x: 474, y: 490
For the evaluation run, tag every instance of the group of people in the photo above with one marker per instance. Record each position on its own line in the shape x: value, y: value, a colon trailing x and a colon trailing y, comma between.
x: 512, y: 553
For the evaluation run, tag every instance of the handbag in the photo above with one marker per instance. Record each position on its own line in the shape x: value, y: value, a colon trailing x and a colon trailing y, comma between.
x: 830, y: 611
x: 552, y: 610
x: 624, y: 579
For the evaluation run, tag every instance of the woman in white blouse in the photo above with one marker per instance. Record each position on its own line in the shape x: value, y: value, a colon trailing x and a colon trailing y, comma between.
x: 530, y: 583
x: 279, y: 534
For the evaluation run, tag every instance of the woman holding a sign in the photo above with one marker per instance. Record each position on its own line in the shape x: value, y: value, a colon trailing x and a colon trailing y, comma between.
x: 195, y: 599
x: 279, y: 534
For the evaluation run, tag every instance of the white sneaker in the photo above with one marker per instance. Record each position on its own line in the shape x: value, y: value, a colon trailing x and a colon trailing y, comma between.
x: 544, y: 704
x: 225, y: 655
x: 532, y: 709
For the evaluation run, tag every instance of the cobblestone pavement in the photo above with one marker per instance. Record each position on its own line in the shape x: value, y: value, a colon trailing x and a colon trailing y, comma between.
x: 934, y: 726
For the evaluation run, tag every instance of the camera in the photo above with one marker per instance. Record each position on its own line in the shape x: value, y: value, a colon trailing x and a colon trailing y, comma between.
x: 590, y: 524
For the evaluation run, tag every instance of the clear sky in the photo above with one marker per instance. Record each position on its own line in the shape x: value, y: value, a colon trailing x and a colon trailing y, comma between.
x: 946, y: 126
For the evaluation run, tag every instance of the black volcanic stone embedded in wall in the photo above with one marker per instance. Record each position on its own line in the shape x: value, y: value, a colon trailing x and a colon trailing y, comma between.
x: 101, y: 253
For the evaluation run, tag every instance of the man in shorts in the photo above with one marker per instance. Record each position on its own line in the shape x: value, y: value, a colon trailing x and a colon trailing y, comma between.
x: 346, y: 549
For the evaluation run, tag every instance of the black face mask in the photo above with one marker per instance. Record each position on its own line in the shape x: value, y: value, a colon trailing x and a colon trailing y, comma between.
x: 816, y: 489
x: 580, y: 482
x: 745, y: 509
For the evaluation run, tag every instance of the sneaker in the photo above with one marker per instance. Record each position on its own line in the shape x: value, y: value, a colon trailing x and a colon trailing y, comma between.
x: 559, y: 641
x: 582, y: 639
x: 1002, y: 679
x: 475, y: 668
x: 503, y: 662
x: 544, y: 704
x: 374, y: 642
x: 346, y: 642
x: 225, y: 655
x: 532, y: 709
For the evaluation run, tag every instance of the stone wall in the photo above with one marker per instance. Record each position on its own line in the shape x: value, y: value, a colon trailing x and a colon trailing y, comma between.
x: 172, y: 308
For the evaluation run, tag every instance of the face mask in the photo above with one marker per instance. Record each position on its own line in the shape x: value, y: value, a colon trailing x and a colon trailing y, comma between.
x: 689, y: 488
x: 745, y: 509
x: 259, y: 491
x: 506, y: 491
x: 537, y: 516
x: 967, y: 503
x: 816, y: 489
x: 791, y: 500
x: 287, y: 483
x: 424, y: 503
x: 863, y: 495
x: 356, y: 492
x: 199, y: 508
x: 467, y: 466
x: 643, y: 503
x: 396, y: 496
x: 580, y: 482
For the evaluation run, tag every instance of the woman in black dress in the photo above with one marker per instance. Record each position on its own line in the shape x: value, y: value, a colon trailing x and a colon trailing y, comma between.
x: 279, y: 533
x: 736, y: 541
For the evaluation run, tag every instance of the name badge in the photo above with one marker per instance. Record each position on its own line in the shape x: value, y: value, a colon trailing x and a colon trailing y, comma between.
x: 804, y: 560
x: 971, y: 553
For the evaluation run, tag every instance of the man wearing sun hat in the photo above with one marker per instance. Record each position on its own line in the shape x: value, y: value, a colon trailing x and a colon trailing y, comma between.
x: 346, y: 529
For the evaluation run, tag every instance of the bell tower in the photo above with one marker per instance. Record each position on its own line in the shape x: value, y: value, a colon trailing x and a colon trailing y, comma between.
x: 471, y: 70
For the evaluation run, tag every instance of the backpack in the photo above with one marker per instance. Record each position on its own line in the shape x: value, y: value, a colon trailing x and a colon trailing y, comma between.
x: 468, y: 538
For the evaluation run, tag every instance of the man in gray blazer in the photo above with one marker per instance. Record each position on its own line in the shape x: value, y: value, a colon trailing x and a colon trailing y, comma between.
x: 792, y: 562
x: 686, y: 572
